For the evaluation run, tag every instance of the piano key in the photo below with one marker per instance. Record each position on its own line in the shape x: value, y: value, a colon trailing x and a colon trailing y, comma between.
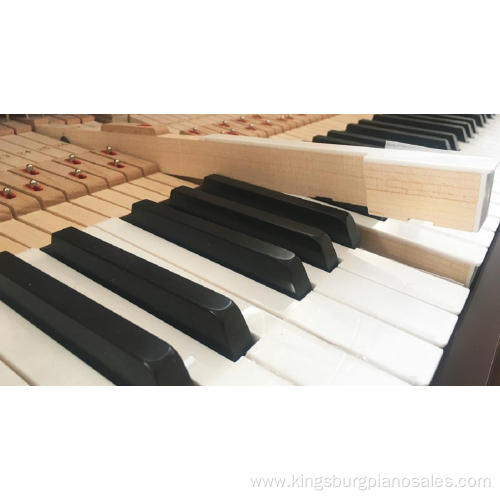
x: 408, y: 280
x: 451, y: 138
x: 390, y: 134
x: 341, y: 140
x: 206, y: 367
x: 420, y: 247
x: 100, y: 206
x: 45, y: 140
x: 76, y: 214
x: 39, y: 359
x: 110, y: 175
x: 383, y: 345
x: 307, y: 360
x: 309, y: 243
x: 362, y: 139
x: 268, y: 264
x: 131, y: 172
x: 9, y: 377
x: 146, y: 167
x: 414, y: 316
x: 478, y: 119
x: 24, y: 234
x: 338, y: 224
x: 207, y: 316
x: 118, y: 349
x: 8, y: 245
x: 468, y: 125
x: 414, y: 121
x: 47, y: 222
x: 138, y: 192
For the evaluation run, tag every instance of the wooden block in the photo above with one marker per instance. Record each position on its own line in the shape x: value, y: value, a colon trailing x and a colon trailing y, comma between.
x: 116, y: 198
x: 85, y: 118
x: 27, y: 145
x: 46, y: 197
x: 29, y: 156
x: 20, y: 204
x: 66, y: 185
x: 151, y: 185
x: 135, y: 128
x: 67, y: 119
x: 8, y: 245
x: 139, y: 193
x: 147, y: 167
x: 48, y: 222
x: 112, y: 176
x: 100, y: 206
x: 76, y: 214
x: 129, y: 171
x: 49, y: 141
x: 17, y: 127
x: 111, y: 118
x: 32, y: 120
x: 5, y: 131
x: 449, y: 190
x: 91, y: 182
x: 24, y: 234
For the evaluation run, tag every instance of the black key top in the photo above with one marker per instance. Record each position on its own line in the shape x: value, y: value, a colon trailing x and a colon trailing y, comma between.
x: 358, y: 209
x: 470, y: 121
x: 309, y: 243
x: 365, y: 140
x: 205, y: 315
x: 452, y: 139
x: 394, y: 135
x: 490, y: 116
x: 338, y: 224
x: 479, y: 119
x: 454, y: 129
x: 323, y: 139
x: 449, y: 121
x: 264, y: 262
x: 115, y: 347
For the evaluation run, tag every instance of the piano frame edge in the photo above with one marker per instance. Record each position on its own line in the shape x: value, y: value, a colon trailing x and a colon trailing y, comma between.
x: 470, y: 356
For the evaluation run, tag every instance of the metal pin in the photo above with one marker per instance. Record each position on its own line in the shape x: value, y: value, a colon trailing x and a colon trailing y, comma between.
x: 194, y: 129
x: 109, y: 149
x: 268, y: 122
x: 251, y: 125
x: 29, y: 168
x: 77, y: 171
x: 242, y: 118
x: 224, y: 122
x: 72, y: 157
x: 33, y: 183
x: 116, y: 162
x: 282, y: 117
x: 6, y: 191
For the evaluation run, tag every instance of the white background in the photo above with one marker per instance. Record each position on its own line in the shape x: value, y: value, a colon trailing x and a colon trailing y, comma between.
x: 240, y: 57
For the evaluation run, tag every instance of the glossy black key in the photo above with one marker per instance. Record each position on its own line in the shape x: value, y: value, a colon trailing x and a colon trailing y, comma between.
x: 365, y: 140
x: 451, y: 138
x: 309, y: 243
x: 264, y: 262
x: 479, y: 119
x: 323, y: 139
x: 115, y: 347
x: 205, y: 315
x: 450, y: 121
x: 358, y: 209
x: 394, y: 135
x: 338, y: 224
x: 470, y: 121
x: 422, y: 123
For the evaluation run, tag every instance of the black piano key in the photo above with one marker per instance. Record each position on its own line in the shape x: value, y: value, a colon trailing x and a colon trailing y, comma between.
x: 309, y: 243
x: 113, y: 346
x: 394, y: 135
x: 449, y: 121
x: 338, y: 224
x: 479, y: 119
x: 205, y: 315
x: 359, y: 209
x: 456, y: 130
x: 452, y: 139
x: 323, y: 139
x: 490, y: 116
x: 365, y: 140
x: 470, y: 121
x: 264, y: 262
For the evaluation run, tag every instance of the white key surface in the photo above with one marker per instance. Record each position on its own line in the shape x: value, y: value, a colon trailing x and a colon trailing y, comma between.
x: 9, y: 376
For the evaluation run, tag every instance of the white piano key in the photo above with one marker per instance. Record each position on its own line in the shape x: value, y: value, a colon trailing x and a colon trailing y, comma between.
x: 494, y: 210
x: 491, y: 223
x: 414, y: 282
x: 414, y: 316
x: 38, y: 358
x: 307, y: 360
x: 10, y: 377
x: 415, y: 360
x: 206, y: 365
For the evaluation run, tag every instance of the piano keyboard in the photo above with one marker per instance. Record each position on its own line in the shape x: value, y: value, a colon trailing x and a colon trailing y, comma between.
x: 320, y: 305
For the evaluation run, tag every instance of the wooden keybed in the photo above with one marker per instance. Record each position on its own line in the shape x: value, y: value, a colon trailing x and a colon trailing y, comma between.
x: 31, y: 226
